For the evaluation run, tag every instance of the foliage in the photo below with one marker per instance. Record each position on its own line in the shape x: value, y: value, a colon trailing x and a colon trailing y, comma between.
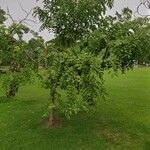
x: 123, y: 40
x: 87, y: 42
x: 75, y: 78
x: 2, y: 16
x: 70, y: 20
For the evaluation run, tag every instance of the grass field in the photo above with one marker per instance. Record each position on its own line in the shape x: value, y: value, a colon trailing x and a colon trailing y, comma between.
x: 121, y: 122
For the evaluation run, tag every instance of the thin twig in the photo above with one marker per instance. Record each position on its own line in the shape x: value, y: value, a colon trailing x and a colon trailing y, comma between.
x: 9, y: 15
x: 146, y: 4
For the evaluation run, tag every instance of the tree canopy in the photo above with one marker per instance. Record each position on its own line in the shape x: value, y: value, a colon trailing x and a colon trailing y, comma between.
x: 71, y: 20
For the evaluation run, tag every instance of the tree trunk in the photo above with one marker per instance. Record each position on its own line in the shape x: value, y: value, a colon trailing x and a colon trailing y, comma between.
x: 52, y: 119
x: 14, y: 86
x: 12, y: 91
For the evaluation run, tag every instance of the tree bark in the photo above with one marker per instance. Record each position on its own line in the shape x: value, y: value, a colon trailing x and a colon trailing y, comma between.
x: 52, y: 119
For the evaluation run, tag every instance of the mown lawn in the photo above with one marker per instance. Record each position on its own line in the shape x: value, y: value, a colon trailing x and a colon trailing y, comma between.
x: 121, y: 122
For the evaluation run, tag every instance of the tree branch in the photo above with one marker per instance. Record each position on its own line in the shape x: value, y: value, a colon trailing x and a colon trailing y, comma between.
x: 144, y: 3
x: 9, y: 15
x: 26, y: 20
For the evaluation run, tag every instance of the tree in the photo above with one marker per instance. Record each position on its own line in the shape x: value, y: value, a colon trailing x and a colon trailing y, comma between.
x: 67, y: 71
x: 86, y: 44
x: 15, y: 55
x: 124, y: 39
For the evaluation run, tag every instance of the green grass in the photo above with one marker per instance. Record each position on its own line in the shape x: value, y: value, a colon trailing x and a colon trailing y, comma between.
x: 121, y: 122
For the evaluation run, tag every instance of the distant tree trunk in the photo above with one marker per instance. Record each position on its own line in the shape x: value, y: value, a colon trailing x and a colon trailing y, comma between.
x: 14, y: 86
x: 12, y: 91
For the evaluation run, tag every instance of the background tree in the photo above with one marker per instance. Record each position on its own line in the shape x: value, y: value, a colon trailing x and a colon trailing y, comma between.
x: 123, y: 40
x: 14, y: 55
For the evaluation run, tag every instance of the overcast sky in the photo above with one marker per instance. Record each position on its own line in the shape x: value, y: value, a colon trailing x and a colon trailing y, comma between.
x: 17, y: 13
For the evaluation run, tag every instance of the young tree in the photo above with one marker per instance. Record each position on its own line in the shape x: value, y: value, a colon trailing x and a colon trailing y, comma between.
x: 70, y: 75
x: 86, y: 43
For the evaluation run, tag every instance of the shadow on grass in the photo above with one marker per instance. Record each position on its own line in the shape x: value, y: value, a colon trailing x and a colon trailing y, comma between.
x: 147, y: 146
x: 4, y: 99
x: 28, y: 102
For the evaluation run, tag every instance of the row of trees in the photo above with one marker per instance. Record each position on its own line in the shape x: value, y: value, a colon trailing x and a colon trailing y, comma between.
x: 72, y: 65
